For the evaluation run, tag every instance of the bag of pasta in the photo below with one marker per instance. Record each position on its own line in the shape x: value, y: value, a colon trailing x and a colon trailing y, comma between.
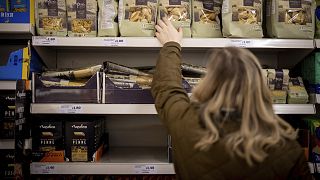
x: 137, y: 17
x: 291, y: 18
x: 205, y: 20
x: 178, y: 12
x: 51, y: 17
x: 82, y: 18
x: 242, y: 18
x: 108, y: 18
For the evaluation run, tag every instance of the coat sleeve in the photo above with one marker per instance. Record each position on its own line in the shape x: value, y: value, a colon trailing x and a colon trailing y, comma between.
x: 171, y: 100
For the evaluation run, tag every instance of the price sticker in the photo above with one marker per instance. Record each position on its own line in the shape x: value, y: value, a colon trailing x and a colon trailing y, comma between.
x: 145, y: 169
x: 43, y: 169
x: 114, y: 42
x: 241, y: 43
x: 45, y: 40
x: 71, y: 109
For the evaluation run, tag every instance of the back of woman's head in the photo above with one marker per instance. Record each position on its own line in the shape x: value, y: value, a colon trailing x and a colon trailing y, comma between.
x: 234, y: 84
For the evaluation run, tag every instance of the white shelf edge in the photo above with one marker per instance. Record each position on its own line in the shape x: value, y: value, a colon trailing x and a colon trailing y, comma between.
x: 16, y: 28
x: 294, y: 108
x: 7, y: 85
x: 6, y: 143
x: 317, y: 43
x: 136, y: 42
x: 50, y: 108
x: 98, y: 168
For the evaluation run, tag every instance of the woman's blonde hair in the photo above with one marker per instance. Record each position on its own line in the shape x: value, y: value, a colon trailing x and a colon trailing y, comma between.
x: 234, y: 84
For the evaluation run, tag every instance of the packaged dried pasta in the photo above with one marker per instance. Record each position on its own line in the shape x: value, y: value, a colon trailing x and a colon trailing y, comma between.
x: 290, y: 18
x: 18, y: 5
x: 108, y: 18
x: 51, y: 17
x: 4, y: 5
x: 242, y: 18
x: 297, y: 93
x: 205, y: 20
x: 278, y: 82
x: 82, y: 18
x: 137, y: 17
x: 178, y: 12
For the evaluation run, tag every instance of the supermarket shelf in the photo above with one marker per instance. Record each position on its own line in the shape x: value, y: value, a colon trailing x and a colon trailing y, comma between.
x: 18, y: 30
x: 7, y: 85
x: 137, y: 42
x: 49, y: 108
x: 294, y: 108
x: 6, y: 143
x: 126, y: 160
x: 317, y: 42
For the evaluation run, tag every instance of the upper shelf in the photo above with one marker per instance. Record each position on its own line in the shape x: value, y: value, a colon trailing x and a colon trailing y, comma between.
x: 49, y: 108
x: 7, y: 85
x: 187, y: 42
x: 16, y: 30
x: 317, y: 43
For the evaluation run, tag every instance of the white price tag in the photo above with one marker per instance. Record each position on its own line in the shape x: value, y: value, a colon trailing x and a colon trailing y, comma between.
x: 114, y: 42
x: 44, y: 169
x: 71, y: 109
x: 241, y: 43
x: 145, y: 169
x: 39, y: 40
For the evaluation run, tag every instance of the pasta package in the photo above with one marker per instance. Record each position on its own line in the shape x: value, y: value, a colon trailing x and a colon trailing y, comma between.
x: 51, y: 17
x: 205, y: 20
x: 82, y: 17
x: 137, y: 17
x: 297, y: 93
x: 4, y: 5
x: 108, y: 18
x: 178, y: 12
x: 18, y: 5
x: 242, y: 18
x: 278, y: 82
x: 291, y: 18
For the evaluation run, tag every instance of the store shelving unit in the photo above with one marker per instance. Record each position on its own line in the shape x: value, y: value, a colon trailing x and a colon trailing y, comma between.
x: 16, y: 30
x: 6, y: 143
x: 136, y: 42
x: 116, y: 161
x: 7, y: 85
x: 51, y: 108
x: 64, y: 52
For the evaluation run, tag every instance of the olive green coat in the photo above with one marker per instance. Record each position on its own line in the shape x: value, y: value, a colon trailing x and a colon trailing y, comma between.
x: 183, y: 123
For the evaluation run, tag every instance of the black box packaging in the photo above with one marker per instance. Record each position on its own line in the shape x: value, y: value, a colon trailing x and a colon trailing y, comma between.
x: 89, y: 93
x: 113, y: 94
x: 82, y: 140
x: 48, y: 141
x: 7, y: 163
x: 7, y: 114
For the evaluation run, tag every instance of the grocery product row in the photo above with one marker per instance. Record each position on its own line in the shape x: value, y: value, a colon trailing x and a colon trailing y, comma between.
x: 210, y: 19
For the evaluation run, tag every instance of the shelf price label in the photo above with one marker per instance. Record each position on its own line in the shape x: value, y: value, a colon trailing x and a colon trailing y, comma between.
x: 145, y: 169
x: 43, y: 40
x: 71, y: 109
x: 114, y: 42
x: 43, y: 169
x: 244, y: 43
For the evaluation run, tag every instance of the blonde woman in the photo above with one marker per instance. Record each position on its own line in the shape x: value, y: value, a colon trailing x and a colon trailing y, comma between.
x: 228, y: 130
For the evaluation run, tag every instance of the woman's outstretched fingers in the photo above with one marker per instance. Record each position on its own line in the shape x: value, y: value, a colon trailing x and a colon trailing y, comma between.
x: 161, y: 24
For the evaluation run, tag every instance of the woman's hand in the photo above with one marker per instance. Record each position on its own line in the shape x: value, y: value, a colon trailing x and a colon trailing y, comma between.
x: 166, y: 32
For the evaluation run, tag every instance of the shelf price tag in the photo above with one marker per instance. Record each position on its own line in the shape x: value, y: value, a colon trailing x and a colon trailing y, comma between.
x: 145, y: 169
x: 244, y: 43
x: 71, y: 109
x: 43, y: 169
x: 43, y: 40
x: 114, y: 42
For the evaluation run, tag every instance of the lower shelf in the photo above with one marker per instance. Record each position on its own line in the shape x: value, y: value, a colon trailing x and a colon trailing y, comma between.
x: 115, y: 161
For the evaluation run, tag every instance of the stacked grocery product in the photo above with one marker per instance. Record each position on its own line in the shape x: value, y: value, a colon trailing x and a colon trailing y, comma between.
x: 16, y: 11
x: 285, y: 89
x: 244, y: 19
x: 56, y: 140
x: 313, y: 124
x: 7, y: 114
x: 62, y: 86
x: 7, y: 163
